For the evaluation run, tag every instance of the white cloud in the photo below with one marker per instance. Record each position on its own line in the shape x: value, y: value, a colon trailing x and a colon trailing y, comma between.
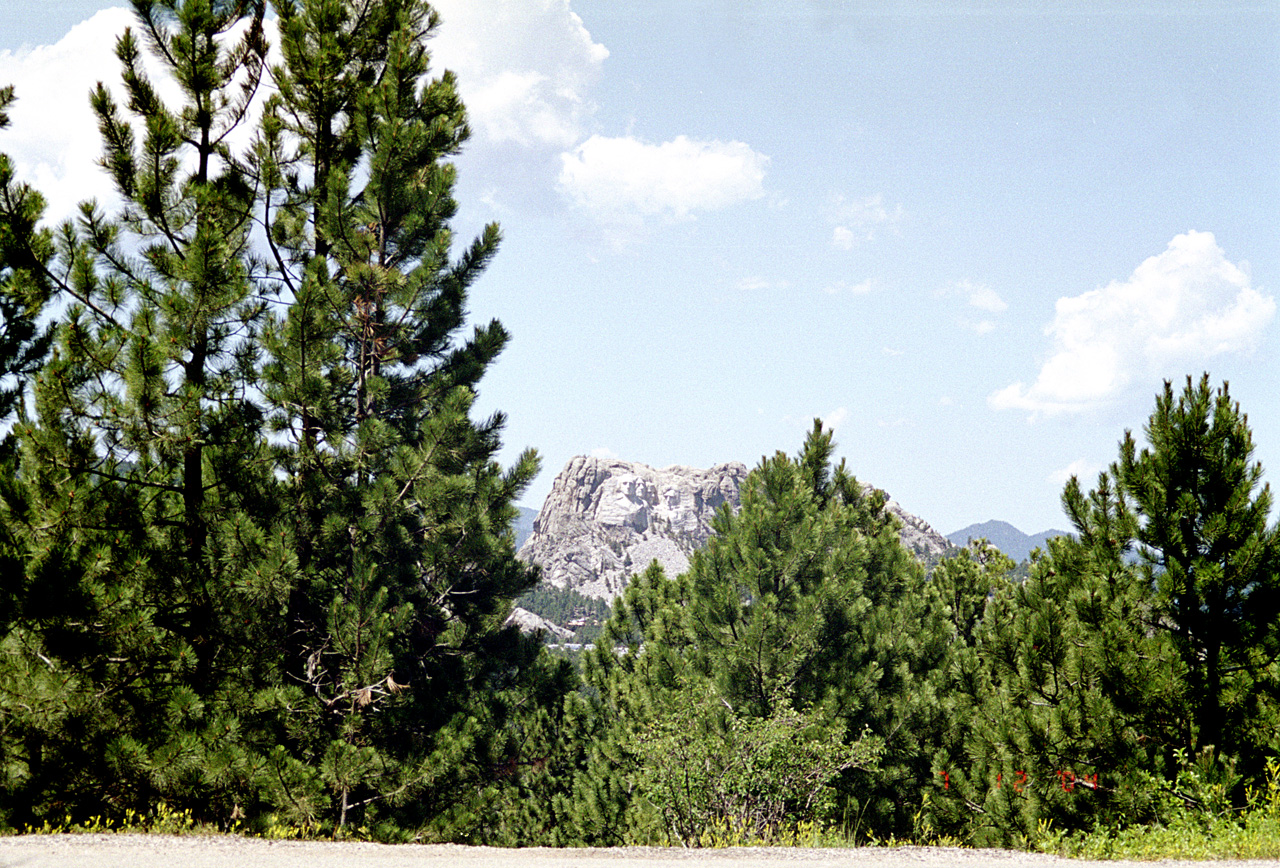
x: 604, y: 452
x: 975, y: 295
x: 1176, y: 311
x: 53, y: 140
x: 859, y: 220
x: 755, y: 283
x: 840, y: 286
x: 525, y: 69
x: 618, y: 178
x: 890, y: 351
x: 981, y: 296
x: 1084, y: 470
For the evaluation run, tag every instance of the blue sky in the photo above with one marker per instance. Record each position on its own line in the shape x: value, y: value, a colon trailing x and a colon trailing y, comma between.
x: 973, y: 238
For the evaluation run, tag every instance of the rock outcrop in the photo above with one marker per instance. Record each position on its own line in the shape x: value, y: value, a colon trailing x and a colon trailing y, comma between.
x: 606, y: 520
x: 918, y: 536
x: 528, y: 622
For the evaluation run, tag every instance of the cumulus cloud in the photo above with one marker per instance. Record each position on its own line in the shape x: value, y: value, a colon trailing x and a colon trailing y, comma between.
x: 1177, y: 310
x: 617, y: 177
x: 525, y: 69
x: 859, y: 220
x: 53, y: 140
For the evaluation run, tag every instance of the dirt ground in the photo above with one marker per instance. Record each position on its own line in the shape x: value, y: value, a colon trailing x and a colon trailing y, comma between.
x: 160, y: 851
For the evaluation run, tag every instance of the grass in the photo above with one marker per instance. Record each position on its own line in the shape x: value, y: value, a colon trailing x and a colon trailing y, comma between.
x: 164, y: 820
x: 1252, y: 833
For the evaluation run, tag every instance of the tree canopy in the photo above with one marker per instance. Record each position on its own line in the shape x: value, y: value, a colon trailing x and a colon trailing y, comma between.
x: 264, y: 550
x: 257, y: 557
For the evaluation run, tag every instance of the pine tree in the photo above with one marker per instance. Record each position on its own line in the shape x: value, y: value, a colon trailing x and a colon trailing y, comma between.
x: 401, y: 514
x: 1070, y: 697
x: 145, y: 500
x: 25, y: 251
x: 1207, y: 549
x: 1137, y: 661
x: 804, y: 601
x: 267, y: 552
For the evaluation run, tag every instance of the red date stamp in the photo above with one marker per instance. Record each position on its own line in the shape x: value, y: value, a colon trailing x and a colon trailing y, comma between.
x: 1068, y: 780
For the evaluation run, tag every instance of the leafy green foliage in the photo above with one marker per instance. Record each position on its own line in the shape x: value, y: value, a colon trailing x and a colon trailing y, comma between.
x: 704, y: 767
x: 1200, y: 832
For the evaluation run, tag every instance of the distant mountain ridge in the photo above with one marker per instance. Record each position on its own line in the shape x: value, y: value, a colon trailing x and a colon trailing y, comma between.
x: 1004, y: 536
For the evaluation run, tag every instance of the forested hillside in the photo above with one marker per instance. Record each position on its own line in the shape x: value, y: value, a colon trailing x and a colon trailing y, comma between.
x: 257, y: 554
x: 1004, y: 536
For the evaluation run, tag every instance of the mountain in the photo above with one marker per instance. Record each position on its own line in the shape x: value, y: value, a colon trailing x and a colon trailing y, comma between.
x: 606, y: 520
x: 1004, y: 536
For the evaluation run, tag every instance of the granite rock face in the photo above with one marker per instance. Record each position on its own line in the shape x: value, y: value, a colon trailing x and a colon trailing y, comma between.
x: 606, y: 520
x: 528, y: 622
x: 918, y: 537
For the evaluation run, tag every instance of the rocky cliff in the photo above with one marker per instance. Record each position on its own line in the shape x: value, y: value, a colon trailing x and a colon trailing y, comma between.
x: 606, y: 520
x: 918, y: 536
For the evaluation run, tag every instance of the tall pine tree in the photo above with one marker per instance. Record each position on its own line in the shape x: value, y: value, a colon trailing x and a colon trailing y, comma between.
x: 267, y: 551
x: 400, y: 512
x: 803, y: 602
x: 145, y: 497
x: 1137, y: 651
x: 1207, y: 551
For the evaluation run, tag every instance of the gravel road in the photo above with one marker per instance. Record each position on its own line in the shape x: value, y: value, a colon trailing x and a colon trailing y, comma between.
x: 161, y: 851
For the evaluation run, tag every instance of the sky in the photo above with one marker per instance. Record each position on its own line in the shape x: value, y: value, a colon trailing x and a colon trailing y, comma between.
x: 974, y: 238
